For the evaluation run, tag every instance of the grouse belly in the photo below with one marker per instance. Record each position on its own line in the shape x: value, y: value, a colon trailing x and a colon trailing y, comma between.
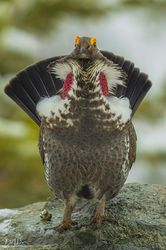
x: 73, y: 160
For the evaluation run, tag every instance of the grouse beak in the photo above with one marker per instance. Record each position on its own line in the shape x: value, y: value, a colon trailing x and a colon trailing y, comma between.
x: 83, y: 53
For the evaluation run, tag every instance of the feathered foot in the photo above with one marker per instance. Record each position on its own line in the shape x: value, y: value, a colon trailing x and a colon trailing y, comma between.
x: 100, y: 219
x: 67, y: 222
x: 99, y: 215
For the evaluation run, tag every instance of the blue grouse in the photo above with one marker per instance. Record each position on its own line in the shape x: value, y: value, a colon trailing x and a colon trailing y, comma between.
x: 83, y: 103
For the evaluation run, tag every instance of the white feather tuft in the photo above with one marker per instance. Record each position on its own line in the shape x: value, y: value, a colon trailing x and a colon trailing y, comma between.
x: 120, y: 107
x: 61, y: 70
x: 47, y: 105
x: 114, y: 76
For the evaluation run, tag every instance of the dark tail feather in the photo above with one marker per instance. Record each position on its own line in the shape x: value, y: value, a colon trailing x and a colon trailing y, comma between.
x: 141, y: 96
x: 137, y: 84
x: 21, y: 102
x: 31, y: 84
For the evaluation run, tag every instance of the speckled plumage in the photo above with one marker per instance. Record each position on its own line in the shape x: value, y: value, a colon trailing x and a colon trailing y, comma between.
x: 95, y: 159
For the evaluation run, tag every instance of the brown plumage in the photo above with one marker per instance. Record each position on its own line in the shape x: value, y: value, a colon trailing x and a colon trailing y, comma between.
x: 87, y: 141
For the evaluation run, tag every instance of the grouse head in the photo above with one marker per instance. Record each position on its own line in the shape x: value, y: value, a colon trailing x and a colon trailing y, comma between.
x: 86, y: 70
x: 85, y: 48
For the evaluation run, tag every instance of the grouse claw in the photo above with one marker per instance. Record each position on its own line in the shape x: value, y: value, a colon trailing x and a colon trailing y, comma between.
x: 100, y: 219
x: 63, y: 226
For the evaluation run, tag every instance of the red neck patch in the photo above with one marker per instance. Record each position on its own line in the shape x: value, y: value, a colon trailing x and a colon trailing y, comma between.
x: 103, y: 84
x: 67, y: 85
x: 69, y: 81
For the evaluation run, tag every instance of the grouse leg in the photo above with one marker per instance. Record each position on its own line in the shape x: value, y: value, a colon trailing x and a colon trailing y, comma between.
x: 99, y: 214
x: 68, y: 208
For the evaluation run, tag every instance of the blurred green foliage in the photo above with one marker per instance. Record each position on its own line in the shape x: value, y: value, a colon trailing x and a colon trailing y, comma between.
x: 21, y: 173
x: 154, y: 110
x: 13, y: 60
x: 40, y: 16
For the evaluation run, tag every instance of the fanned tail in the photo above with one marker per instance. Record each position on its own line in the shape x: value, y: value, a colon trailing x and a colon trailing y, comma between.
x: 137, y: 84
x: 31, y: 84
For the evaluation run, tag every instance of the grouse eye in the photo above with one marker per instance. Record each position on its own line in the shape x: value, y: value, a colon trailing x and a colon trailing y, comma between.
x: 93, y: 41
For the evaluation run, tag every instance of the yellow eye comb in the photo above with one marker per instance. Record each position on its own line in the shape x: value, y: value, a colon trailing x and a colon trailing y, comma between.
x: 93, y: 40
x: 77, y: 40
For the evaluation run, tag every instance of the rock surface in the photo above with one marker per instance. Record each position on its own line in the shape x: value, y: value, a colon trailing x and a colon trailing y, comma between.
x: 138, y: 222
